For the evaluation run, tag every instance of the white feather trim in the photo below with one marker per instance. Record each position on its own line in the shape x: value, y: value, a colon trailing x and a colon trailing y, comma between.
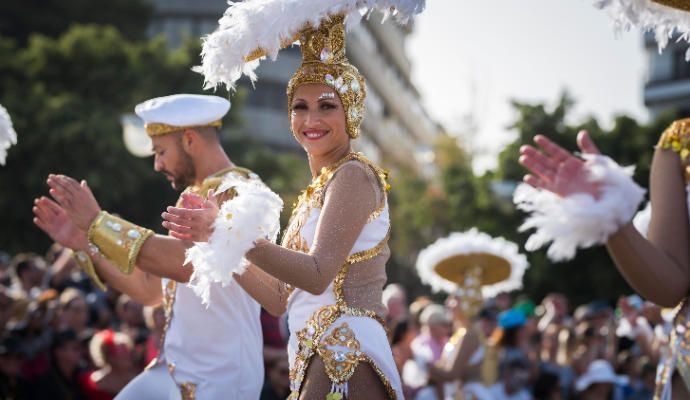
x: 469, y: 242
x: 252, y: 214
x: 648, y: 16
x: 644, y: 217
x: 579, y: 220
x: 265, y: 24
x: 8, y: 136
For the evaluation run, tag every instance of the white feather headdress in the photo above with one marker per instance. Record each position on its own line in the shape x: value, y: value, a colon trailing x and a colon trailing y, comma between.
x: 256, y: 28
x: 654, y: 16
x: 8, y: 136
x: 460, y: 249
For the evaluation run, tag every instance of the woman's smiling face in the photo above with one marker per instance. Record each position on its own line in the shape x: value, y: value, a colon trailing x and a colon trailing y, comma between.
x: 317, y: 119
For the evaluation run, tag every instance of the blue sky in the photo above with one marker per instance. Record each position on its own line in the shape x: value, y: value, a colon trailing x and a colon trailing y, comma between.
x: 473, y: 56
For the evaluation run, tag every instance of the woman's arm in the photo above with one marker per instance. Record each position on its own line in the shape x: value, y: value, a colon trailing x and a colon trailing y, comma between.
x: 659, y: 268
x: 349, y: 200
x: 271, y: 293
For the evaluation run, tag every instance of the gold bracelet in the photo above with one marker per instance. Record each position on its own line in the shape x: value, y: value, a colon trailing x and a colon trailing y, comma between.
x: 117, y: 240
x: 86, y: 264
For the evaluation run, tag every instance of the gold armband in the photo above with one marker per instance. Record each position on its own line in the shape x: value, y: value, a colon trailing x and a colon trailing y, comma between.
x: 677, y: 138
x: 118, y: 240
x: 86, y: 265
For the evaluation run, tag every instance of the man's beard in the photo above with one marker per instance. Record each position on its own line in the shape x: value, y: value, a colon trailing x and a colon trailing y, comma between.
x: 185, y: 173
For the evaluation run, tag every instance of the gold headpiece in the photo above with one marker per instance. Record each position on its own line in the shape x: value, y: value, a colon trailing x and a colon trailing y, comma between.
x: 683, y: 5
x: 324, y: 61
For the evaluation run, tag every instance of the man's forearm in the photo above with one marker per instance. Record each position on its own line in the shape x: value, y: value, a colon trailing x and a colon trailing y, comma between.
x: 164, y: 256
x: 139, y: 285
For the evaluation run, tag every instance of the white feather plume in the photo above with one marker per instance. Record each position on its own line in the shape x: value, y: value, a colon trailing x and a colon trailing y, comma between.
x: 649, y: 16
x: 470, y: 242
x: 580, y: 220
x: 8, y: 136
x: 252, y: 214
x: 265, y: 24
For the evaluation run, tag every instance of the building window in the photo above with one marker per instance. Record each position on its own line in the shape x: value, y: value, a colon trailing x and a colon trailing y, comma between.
x: 266, y: 94
x: 681, y: 68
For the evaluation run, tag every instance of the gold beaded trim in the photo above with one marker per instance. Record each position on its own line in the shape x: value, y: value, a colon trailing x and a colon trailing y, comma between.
x: 677, y: 138
x: 384, y: 379
x: 160, y: 129
x: 187, y: 389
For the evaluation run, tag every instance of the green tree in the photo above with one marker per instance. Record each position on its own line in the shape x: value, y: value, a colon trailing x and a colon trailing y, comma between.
x: 66, y: 96
x: 591, y: 274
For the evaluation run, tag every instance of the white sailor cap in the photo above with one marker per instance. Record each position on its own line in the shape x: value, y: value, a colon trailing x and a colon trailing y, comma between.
x: 177, y: 112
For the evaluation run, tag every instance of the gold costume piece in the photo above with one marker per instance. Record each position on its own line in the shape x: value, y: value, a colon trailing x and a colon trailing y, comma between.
x: 84, y: 262
x: 678, y: 4
x: 340, y: 349
x: 118, y: 240
x: 324, y: 61
x: 160, y: 129
x: 677, y: 138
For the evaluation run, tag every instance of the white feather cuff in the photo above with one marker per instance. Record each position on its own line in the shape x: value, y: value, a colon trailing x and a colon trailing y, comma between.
x: 269, y: 24
x: 649, y: 16
x: 579, y: 220
x: 465, y: 243
x: 252, y: 214
x: 8, y: 136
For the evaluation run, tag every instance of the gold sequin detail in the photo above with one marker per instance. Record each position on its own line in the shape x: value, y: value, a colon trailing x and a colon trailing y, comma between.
x: 340, y: 352
x: 678, y: 349
x: 187, y: 389
x: 677, y: 138
x: 678, y: 4
x: 384, y: 379
x: 324, y: 61
x: 313, y: 197
x: 159, y: 129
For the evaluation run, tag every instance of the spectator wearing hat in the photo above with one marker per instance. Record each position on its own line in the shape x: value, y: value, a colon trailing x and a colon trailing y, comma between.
x: 599, y: 382
x: 434, y: 334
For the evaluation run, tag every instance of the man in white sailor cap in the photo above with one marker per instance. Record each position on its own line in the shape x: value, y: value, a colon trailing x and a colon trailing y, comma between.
x: 212, y: 352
